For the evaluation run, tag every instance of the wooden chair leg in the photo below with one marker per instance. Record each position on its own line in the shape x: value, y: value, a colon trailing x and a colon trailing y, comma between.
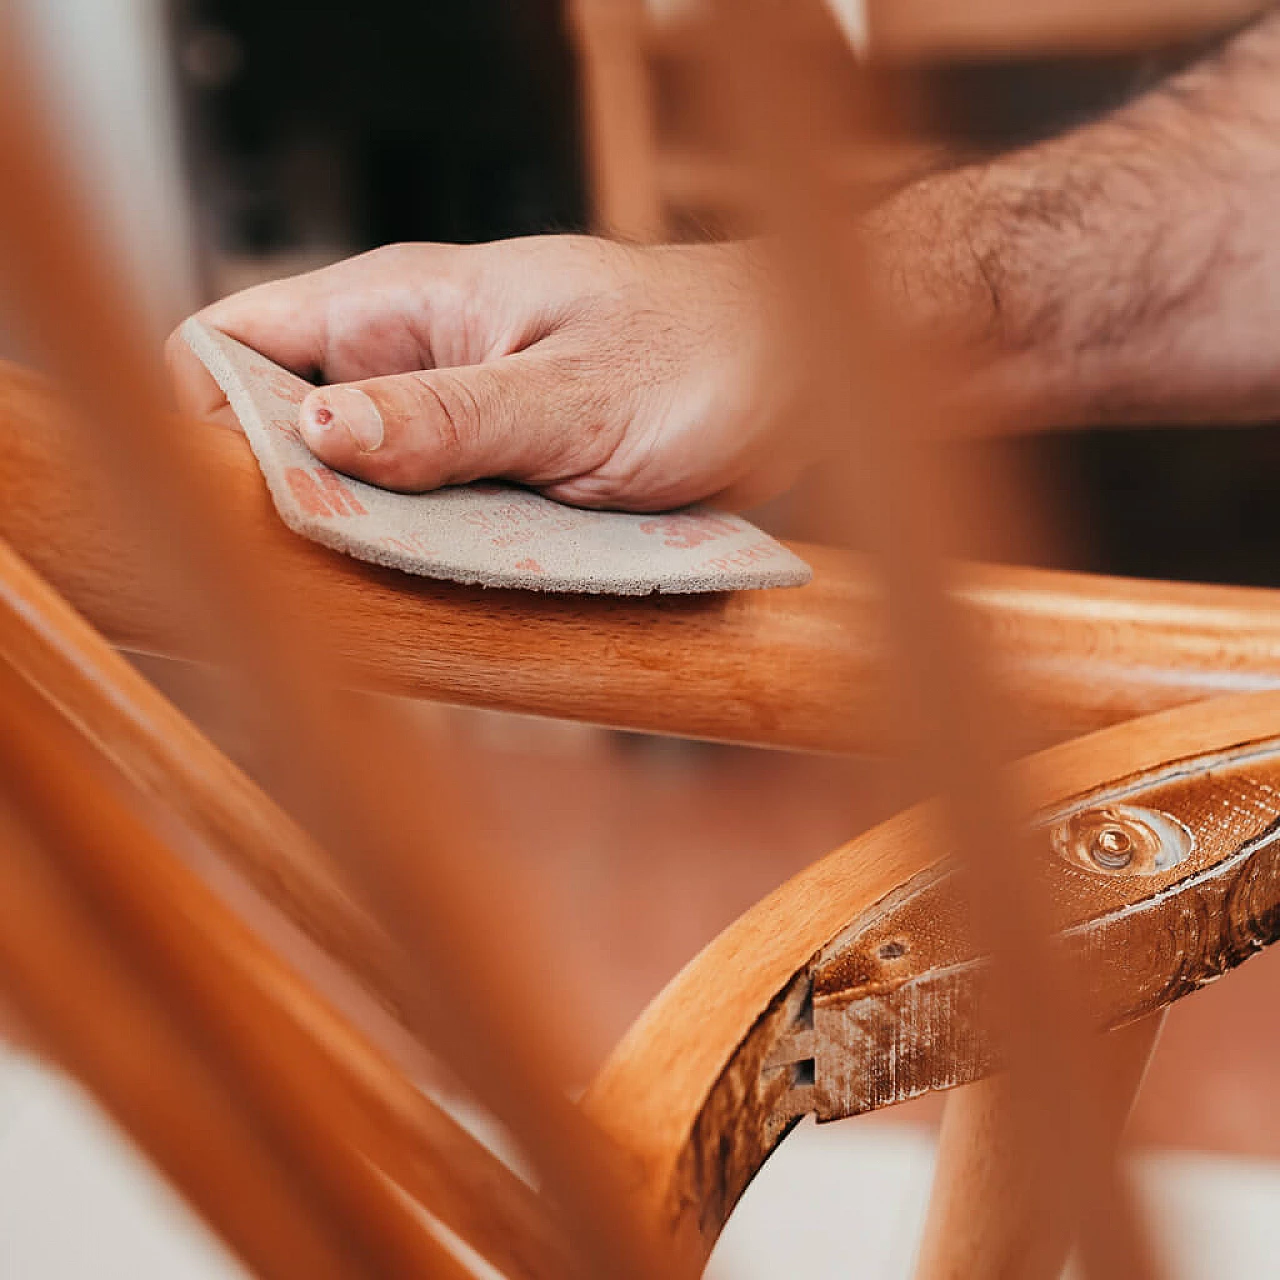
x: 621, y: 145
x: 980, y: 1223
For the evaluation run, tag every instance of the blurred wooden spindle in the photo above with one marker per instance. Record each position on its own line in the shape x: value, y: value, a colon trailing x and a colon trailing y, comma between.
x: 94, y: 1018
x: 981, y: 1222
x: 131, y: 725
x: 616, y: 93
x: 392, y: 809
x: 924, y: 31
x: 876, y: 391
x: 203, y: 968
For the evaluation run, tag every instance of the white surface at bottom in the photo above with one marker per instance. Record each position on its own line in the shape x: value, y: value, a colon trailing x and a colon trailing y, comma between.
x: 76, y: 1203
x: 835, y: 1202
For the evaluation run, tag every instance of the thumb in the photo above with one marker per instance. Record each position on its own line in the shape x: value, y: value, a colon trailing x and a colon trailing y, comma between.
x: 417, y: 431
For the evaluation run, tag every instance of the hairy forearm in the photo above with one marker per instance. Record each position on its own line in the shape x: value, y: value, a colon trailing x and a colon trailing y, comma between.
x: 1126, y: 272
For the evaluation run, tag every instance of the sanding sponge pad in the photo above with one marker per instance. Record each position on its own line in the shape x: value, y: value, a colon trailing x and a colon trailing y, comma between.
x: 494, y: 534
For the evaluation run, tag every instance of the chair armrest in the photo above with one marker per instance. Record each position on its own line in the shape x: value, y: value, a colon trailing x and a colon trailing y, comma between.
x: 798, y: 668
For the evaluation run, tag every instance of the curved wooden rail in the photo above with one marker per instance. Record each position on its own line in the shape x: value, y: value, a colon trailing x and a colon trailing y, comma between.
x: 799, y: 668
x: 853, y: 986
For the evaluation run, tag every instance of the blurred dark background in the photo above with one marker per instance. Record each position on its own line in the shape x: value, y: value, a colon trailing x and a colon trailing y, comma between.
x: 351, y: 125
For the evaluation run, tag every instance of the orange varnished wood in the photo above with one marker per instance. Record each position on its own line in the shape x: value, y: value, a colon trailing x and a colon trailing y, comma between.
x: 91, y: 1015
x: 263, y: 1024
x: 799, y: 668
x: 200, y: 969
x: 618, y: 100
x: 762, y: 668
x: 652, y: 1094
x: 926, y: 31
x: 58, y: 653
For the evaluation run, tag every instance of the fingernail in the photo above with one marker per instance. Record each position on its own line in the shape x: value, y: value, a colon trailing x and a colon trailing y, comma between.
x: 353, y: 409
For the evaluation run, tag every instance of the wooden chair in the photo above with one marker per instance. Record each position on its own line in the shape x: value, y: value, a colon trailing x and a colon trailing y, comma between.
x: 657, y: 171
x: 146, y: 878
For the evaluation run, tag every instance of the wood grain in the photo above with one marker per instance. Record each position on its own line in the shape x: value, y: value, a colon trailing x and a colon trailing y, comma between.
x: 736, y: 1034
x: 799, y: 668
x: 1134, y: 941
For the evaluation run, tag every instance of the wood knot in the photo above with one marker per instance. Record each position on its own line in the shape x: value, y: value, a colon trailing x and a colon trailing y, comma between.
x: 1122, y: 840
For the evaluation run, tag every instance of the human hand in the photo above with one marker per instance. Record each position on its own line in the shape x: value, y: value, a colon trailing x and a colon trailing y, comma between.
x: 601, y: 374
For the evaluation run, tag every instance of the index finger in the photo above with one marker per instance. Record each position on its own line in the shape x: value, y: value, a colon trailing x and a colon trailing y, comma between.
x: 282, y: 319
x: 194, y: 388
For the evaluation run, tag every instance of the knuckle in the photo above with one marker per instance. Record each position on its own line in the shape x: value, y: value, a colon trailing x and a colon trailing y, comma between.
x: 394, y: 255
x: 451, y: 415
x: 405, y: 260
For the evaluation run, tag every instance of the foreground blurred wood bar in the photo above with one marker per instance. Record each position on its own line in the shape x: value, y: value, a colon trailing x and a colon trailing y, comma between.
x: 923, y: 30
x: 195, y: 959
x: 798, y: 669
